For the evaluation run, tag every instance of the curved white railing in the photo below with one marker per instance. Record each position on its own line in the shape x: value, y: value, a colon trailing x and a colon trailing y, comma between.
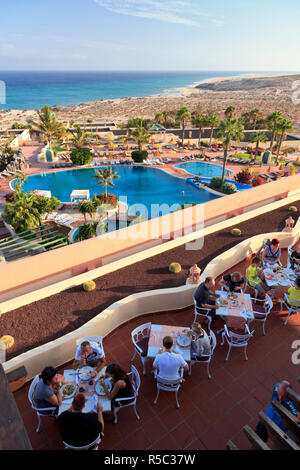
x: 62, y: 350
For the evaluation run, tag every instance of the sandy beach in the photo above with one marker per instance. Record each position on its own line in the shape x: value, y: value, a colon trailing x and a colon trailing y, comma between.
x: 266, y: 92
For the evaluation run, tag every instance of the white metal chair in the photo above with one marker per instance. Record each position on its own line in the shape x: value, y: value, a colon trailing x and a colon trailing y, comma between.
x: 236, y: 340
x: 293, y: 306
x: 203, y: 313
x: 168, y: 385
x: 135, y: 383
x: 289, y: 252
x: 41, y: 412
x: 92, y: 446
x: 263, y: 316
x: 205, y: 359
x: 140, y: 338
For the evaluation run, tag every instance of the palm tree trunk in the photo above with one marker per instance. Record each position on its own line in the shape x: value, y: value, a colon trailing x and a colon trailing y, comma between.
x: 272, y: 141
x: 224, y: 163
x: 279, y: 148
x: 256, y: 149
x: 211, y: 135
x: 200, y: 134
x: 183, y: 132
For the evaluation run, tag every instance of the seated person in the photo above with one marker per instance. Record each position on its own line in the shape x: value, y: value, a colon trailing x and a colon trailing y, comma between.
x: 295, y: 260
x: 169, y: 363
x: 233, y: 282
x: 279, y: 393
x: 271, y: 254
x: 47, y: 392
x: 77, y: 428
x: 204, y: 298
x: 91, y: 355
x: 254, y: 276
x: 201, y: 343
x: 121, y: 385
x: 294, y: 292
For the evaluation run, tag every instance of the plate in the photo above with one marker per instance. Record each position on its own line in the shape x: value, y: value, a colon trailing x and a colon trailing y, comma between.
x: 223, y: 301
x: 100, y: 390
x: 183, y: 340
x: 68, y: 390
x: 85, y: 373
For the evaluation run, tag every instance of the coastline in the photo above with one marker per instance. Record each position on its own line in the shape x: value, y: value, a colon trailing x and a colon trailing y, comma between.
x: 276, y: 93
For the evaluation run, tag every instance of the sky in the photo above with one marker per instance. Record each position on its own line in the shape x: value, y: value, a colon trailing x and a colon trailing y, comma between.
x: 231, y: 35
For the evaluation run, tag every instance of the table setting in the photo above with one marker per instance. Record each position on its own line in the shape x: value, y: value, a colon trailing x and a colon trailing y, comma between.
x: 181, y: 340
x: 237, y: 307
x: 81, y: 381
x: 279, y: 276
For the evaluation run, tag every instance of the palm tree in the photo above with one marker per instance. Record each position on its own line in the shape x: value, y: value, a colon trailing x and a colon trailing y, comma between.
x: 139, y: 134
x: 89, y: 207
x: 200, y: 121
x: 229, y: 113
x: 159, y: 118
x: 22, y: 213
x: 165, y: 114
x: 105, y: 178
x: 183, y: 116
x: 212, y: 121
x: 254, y: 115
x: 272, y: 121
x: 283, y: 126
x: 48, y: 125
x: 79, y: 139
x: 258, y: 137
x: 230, y: 129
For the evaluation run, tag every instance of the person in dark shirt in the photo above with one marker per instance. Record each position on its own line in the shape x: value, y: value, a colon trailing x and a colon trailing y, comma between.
x: 233, y: 282
x: 121, y: 385
x: 205, y: 298
x: 79, y: 429
x: 295, y: 261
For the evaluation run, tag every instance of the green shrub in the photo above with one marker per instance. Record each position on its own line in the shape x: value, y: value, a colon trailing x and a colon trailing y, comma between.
x: 110, y: 199
x: 215, y: 182
x: 175, y: 268
x: 89, y: 286
x: 139, y: 156
x: 293, y: 209
x: 86, y: 231
x: 236, y: 232
x: 81, y: 157
x: 228, y: 188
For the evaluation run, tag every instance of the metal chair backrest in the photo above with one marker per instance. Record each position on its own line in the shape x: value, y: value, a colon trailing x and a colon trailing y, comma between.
x: 135, y: 380
x: 86, y: 447
x: 32, y: 388
x: 168, y: 384
x: 238, y: 339
x: 140, y: 332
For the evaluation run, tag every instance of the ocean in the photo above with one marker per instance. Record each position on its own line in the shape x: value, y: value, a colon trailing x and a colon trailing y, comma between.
x: 32, y: 90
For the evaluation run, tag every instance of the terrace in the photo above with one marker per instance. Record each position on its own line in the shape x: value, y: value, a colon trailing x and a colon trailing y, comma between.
x: 211, y: 411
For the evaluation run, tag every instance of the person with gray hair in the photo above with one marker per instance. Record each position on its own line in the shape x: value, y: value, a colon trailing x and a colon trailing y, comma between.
x: 90, y: 355
x: 280, y: 394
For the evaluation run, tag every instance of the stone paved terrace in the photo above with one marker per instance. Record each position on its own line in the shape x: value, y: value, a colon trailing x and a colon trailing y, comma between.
x: 211, y: 411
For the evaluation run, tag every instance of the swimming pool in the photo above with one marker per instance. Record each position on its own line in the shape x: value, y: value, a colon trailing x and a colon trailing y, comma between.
x: 206, y: 169
x: 142, y: 188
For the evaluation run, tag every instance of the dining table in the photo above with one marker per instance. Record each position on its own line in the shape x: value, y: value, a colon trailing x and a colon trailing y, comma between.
x: 179, y: 335
x: 235, y: 307
x: 284, y: 277
x: 88, y: 386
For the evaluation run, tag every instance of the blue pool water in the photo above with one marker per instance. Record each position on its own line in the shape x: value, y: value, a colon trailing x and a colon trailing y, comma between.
x: 206, y: 169
x: 140, y: 187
